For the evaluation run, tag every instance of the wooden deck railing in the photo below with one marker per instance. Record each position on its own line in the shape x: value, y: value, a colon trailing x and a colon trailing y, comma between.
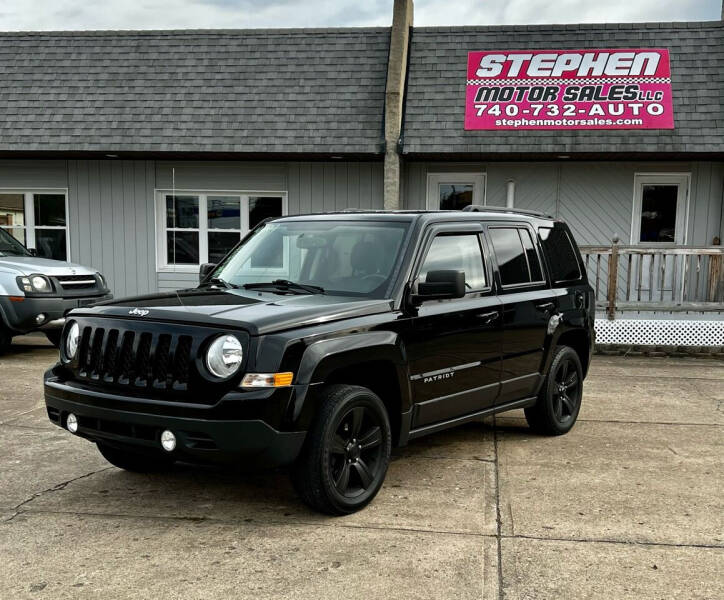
x: 656, y: 278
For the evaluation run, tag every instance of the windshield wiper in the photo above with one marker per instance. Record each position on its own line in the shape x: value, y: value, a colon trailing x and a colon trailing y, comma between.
x: 219, y: 281
x: 286, y: 286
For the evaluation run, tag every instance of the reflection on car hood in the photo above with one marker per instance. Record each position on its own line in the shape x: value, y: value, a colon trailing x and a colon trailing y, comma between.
x: 26, y: 265
x: 257, y: 312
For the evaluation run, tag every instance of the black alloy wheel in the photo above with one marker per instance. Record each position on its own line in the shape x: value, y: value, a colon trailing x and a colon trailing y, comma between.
x: 559, y: 400
x: 355, y: 452
x: 567, y: 392
x: 347, y: 451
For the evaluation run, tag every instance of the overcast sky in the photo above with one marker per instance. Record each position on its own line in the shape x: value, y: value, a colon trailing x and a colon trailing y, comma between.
x: 166, y: 14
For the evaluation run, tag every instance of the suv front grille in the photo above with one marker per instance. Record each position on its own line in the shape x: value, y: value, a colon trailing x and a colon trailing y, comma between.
x: 140, y: 359
x: 76, y: 282
x: 147, y: 359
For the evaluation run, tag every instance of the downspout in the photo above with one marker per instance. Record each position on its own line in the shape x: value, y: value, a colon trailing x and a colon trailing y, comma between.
x: 510, y: 194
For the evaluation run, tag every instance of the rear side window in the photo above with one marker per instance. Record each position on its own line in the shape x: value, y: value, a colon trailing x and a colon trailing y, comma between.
x: 518, y: 261
x: 561, y: 254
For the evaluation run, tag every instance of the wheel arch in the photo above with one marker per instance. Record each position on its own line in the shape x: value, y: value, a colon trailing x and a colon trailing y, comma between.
x: 580, y: 341
x: 374, y: 360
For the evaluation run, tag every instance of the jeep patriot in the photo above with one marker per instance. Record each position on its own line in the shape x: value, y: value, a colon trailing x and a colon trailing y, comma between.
x: 321, y: 341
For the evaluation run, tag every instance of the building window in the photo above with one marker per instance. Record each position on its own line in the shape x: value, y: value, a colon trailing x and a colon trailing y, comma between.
x: 201, y: 227
x: 454, y: 191
x: 37, y: 219
x: 660, y: 207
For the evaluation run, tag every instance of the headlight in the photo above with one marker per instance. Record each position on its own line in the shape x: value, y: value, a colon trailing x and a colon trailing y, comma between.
x: 40, y: 284
x: 223, y: 358
x: 72, y: 339
x: 102, y: 280
x: 35, y: 283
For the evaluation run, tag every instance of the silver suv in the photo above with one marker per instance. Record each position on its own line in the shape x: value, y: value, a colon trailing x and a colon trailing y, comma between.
x: 36, y: 293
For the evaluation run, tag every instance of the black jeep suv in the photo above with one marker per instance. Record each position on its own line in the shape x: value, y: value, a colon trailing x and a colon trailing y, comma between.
x: 320, y: 341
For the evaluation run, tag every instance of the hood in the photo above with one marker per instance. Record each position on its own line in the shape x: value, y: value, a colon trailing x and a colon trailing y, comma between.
x: 27, y: 265
x: 255, y: 311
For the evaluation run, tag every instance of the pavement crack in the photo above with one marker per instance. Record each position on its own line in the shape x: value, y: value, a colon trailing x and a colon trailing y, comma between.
x: 611, y: 541
x: 18, y: 509
x: 498, y: 520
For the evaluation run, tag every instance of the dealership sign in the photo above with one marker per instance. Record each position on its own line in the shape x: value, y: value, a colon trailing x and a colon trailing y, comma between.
x: 569, y: 89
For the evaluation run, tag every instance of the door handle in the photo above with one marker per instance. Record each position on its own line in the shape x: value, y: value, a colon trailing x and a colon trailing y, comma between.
x: 489, y: 317
x: 545, y: 306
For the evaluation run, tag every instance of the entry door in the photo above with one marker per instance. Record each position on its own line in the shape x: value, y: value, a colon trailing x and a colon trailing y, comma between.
x: 454, y: 345
x: 659, y: 219
x: 454, y: 191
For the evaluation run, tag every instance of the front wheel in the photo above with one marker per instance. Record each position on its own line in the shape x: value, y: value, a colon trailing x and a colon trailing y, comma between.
x: 5, y: 339
x: 133, y: 461
x: 559, y: 400
x: 54, y: 336
x: 345, y: 457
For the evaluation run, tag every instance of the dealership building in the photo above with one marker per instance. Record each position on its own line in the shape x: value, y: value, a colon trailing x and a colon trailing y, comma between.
x: 147, y: 153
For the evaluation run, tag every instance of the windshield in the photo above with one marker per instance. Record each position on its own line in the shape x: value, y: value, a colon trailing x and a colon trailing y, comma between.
x: 9, y: 246
x: 351, y: 258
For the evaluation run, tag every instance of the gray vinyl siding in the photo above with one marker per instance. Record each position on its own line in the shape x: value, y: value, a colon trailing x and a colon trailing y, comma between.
x: 111, y: 221
x: 595, y: 198
x: 33, y: 174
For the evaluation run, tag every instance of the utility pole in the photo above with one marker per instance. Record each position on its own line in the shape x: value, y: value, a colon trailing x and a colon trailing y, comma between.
x: 394, y: 96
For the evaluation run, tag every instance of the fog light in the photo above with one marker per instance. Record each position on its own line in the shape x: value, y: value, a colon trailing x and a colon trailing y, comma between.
x: 71, y: 422
x: 168, y: 440
x: 40, y: 319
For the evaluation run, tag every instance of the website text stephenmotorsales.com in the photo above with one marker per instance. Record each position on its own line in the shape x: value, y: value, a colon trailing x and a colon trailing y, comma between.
x: 516, y: 123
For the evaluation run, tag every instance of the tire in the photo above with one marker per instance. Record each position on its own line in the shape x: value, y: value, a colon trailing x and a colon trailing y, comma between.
x: 347, y: 451
x: 134, y: 461
x: 559, y: 400
x: 54, y: 336
x: 6, y: 339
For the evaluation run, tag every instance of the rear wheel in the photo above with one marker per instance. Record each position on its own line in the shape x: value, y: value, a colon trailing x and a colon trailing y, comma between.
x: 559, y: 400
x: 53, y: 336
x: 6, y: 339
x: 134, y: 461
x: 345, y: 457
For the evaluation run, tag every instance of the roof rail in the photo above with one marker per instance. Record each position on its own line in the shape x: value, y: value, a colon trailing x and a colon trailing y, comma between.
x: 505, y: 209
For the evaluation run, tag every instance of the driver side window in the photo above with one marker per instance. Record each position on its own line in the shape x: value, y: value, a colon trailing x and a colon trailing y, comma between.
x: 459, y: 252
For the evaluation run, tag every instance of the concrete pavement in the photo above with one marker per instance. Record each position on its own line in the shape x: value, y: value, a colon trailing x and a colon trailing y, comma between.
x: 627, y: 505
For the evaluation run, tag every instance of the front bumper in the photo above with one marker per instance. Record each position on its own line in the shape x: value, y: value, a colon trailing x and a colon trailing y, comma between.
x: 19, y: 315
x: 247, y: 442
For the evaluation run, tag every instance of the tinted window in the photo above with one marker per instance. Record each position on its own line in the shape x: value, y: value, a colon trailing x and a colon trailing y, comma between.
x: 536, y: 271
x: 456, y: 253
x: 510, y: 254
x: 561, y: 255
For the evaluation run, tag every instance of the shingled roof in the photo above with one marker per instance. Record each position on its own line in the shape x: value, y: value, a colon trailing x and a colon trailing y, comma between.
x: 435, y: 103
x: 240, y: 91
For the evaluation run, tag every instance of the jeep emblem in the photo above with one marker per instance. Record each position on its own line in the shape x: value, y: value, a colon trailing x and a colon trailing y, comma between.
x: 138, y: 312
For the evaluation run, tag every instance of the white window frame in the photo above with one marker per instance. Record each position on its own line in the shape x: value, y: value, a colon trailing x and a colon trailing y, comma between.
x: 681, y: 228
x: 30, y: 227
x: 478, y: 179
x: 203, y: 229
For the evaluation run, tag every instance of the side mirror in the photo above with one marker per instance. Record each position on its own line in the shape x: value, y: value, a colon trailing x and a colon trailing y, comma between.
x: 440, y: 285
x: 33, y: 252
x: 204, y: 271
